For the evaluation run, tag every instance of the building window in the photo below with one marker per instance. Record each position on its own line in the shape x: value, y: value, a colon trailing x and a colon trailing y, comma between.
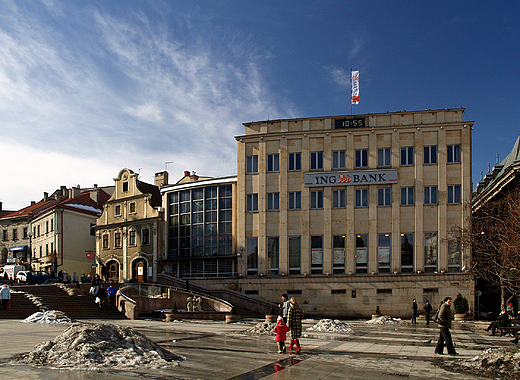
x: 430, y: 195
x: 131, y: 238
x: 338, y: 159
x: 52, y: 224
x: 407, y: 196
x: 453, y: 194
x: 384, y: 252
x: 47, y: 227
x: 252, y: 202
x: 339, y: 199
x: 273, y: 201
x: 273, y: 255
x: 361, y: 158
x: 38, y: 230
x: 125, y: 187
x: 132, y: 208
x: 145, y: 236
x: 338, y: 247
x: 454, y: 253
x: 384, y: 157
x: 25, y: 230
x: 294, y: 255
x: 92, y: 229
x: 5, y: 235
x: 430, y: 252
x: 251, y: 164
x: 273, y: 162
x: 384, y: 196
x: 407, y: 253
x: 105, y: 241
x: 15, y: 234
x: 117, y: 240
x: 362, y: 198
x: 361, y: 255
x: 117, y: 210
x: 316, y: 254
x: 295, y: 162
x: 316, y: 199
x: 252, y: 256
x: 453, y: 154
x: 295, y: 200
x: 407, y: 156
x: 316, y: 160
x: 430, y: 155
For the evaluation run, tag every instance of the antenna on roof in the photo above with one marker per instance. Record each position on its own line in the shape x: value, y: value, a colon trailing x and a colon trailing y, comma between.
x: 497, y: 159
x: 166, y: 165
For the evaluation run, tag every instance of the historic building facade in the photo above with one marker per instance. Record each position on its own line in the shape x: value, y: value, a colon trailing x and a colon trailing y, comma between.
x: 129, y: 233
x: 352, y: 212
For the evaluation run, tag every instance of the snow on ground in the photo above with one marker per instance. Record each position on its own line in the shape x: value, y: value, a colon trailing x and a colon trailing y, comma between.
x: 330, y: 325
x: 500, y: 363
x: 262, y: 328
x: 49, y: 317
x: 384, y: 320
x: 91, y: 347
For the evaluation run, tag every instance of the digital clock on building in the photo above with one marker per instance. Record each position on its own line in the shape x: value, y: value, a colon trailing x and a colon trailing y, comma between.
x: 350, y: 123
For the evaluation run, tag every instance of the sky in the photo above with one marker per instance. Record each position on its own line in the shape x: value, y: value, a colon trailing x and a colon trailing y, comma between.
x: 88, y: 88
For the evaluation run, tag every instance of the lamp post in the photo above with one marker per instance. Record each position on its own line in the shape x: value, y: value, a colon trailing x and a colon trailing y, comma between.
x: 30, y: 234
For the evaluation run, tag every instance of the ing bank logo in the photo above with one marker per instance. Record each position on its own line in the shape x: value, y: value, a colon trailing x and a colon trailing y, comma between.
x: 344, y: 178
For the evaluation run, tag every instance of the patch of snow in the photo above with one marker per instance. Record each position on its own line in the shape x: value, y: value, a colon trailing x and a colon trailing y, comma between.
x: 330, y: 325
x: 501, y: 363
x: 48, y: 317
x: 385, y: 320
x: 91, y: 347
x: 85, y: 207
x: 262, y: 328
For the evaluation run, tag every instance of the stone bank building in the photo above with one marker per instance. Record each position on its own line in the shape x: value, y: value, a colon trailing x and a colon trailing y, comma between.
x: 349, y: 213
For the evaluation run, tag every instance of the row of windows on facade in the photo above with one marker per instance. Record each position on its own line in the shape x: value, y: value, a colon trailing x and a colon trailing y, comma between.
x: 353, y: 292
x: 132, y: 238
x: 131, y: 206
x: 37, y: 231
x: 361, y: 256
x: 339, y: 198
x: 360, y: 160
x: 38, y: 251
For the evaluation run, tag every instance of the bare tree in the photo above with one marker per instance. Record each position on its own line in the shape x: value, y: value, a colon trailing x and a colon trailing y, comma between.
x: 495, y: 239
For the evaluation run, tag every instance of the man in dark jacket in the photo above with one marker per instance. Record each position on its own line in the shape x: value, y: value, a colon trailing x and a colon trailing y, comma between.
x: 445, y: 318
x: 414, y: 312
x: 502, y: 321
x: 427, y: 310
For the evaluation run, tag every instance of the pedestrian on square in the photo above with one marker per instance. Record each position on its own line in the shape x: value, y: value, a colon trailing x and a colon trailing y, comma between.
x: 5, y: 295
x: 284, y: 306
x: 281, y: 334
x: 294, y: 321
x: 427, y: 310
x: 75, y: 278
x: 101, y: 295
x: 445, y: 318
x: 414, y: 312
x: 111, y: 291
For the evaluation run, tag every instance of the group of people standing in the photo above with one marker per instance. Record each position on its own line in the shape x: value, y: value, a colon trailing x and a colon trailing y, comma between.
x: 290, y: 321
x: 98, y: 290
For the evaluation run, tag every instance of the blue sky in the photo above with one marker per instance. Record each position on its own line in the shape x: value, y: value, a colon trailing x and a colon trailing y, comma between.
x: 90, y: 87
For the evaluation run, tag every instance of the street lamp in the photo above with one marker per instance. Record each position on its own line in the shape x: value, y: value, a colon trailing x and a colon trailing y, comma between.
x: 30, y: 234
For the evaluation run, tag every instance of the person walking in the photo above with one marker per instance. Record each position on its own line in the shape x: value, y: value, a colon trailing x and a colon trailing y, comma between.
x: 5, y: 295
x: 445, y: 318
x: 111, y: 291
x: 427, y: 311
x: 294, y: 321
x: 414, y: 312
x: 281, y: 334
x: 284, y: 306
x: 75, y: 278
x: 101, y: 295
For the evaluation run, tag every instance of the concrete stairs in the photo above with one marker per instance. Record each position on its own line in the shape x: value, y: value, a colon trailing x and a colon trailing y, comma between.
x: 76, y: 306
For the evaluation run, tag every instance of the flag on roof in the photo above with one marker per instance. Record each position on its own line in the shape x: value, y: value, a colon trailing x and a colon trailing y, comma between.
x: 354, y: 87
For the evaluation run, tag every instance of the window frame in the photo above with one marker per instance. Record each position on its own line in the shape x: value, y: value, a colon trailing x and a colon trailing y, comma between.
x: 252, y: 164
x: 294, y: 199
x: 405, y: 197
x: 273, y: 201
x: 430, y: 155
x: 384, y: 196
x: 361, y: 158
x: 252, y: 202
x: 316, y: 160
x: 407, y: 156
x: 428, y: 192
x: 316, y: 200
x: 339, y: 159
x: 454, y: 194
x: 361, y: 198
x: 384, y: 157
x: 295, y: 162
x: 273, y: 163
x: 453, y: 154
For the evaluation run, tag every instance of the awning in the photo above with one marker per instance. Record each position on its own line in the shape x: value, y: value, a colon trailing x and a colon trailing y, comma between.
x: 19, y: 248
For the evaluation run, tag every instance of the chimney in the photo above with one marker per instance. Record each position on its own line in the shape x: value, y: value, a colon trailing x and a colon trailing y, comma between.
x: 64, y: 191
x: 0, y: 206
x: 186, y: 173
x: 45, y: 196
x: 161, y: 179
x: 194, y: 177
x: 94, y: 195
x: 33, y: 203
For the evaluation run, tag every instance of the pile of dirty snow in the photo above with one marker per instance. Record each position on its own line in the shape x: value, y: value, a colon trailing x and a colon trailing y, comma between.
x: 50, y: 317
x: 330, y: 325
x: 384, y: 320
x: 501, y: 363
x: 91, y: 347
x: 262, y: 328
x: 37, y: 301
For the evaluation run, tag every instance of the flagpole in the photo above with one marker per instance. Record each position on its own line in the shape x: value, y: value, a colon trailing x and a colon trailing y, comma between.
x: 351, y: 91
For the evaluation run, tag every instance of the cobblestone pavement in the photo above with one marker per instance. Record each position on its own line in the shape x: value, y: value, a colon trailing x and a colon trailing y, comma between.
x: 215, y: 350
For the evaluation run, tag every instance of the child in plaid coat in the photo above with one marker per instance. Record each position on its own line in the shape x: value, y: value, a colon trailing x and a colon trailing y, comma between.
x: 281, y: 334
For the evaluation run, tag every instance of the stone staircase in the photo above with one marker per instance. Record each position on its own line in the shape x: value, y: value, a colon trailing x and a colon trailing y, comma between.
x: 78, y: 306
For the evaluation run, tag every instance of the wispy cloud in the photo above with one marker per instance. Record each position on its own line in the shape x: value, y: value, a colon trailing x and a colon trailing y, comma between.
x: 132, y: 92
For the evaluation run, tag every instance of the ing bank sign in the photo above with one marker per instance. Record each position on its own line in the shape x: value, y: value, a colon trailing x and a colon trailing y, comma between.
x: 369, y: 177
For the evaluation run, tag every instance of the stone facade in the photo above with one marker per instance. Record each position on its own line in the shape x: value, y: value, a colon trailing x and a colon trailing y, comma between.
x: 129, y: 233
x: 351, y: 212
